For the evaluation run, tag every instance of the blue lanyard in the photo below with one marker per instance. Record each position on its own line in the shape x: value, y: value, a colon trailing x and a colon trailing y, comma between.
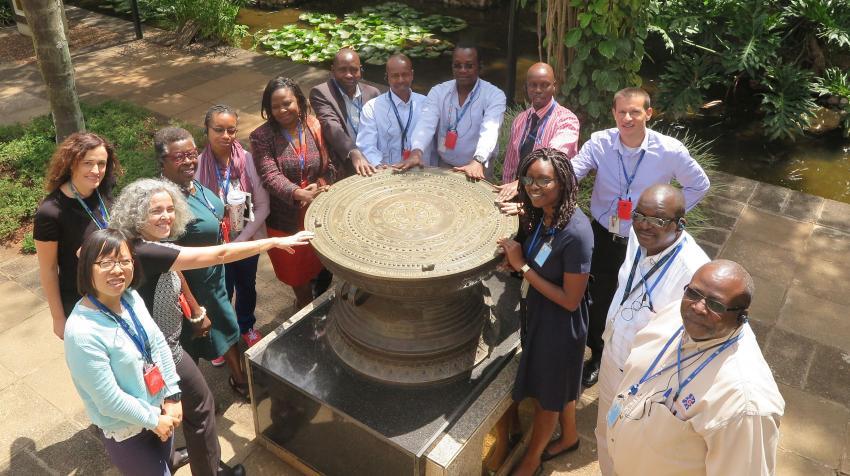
x: 459, y: 114
x: 682, y: 384
x: 404, y: 129
x: 646, y: 376
x: 631, y: 179
x: 665, y: 261
x: 140, y: 338
x: 223, y: 185
x: 359, y: 107
x: 536, y: 237
x: 300, y: 151
x: 205, y: 202
x: 101, y: 222
x: 537, y: 135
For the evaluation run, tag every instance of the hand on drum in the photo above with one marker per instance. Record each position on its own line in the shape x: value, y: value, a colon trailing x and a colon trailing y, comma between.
x: 299, y: 239
x: 513, y: 253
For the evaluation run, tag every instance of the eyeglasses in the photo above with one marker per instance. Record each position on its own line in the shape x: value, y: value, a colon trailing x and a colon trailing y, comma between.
x: 109, y: 264
x: 182, y: 156
x: 638, y: 217
x: 542, y: 182
x: 221, y: 130
x: 712, y: 305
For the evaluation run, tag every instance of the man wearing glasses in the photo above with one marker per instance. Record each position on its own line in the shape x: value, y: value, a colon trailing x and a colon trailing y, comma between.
x: 697, y: 397
x: 338, y: 103
x: 464, y: 116
x: 627, y: 159
x: 661, y: 258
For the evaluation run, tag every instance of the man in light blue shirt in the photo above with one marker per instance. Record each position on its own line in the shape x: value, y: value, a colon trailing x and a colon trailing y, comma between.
x: 388, y: 121
x: 464, y: 115
x: 627, y: 159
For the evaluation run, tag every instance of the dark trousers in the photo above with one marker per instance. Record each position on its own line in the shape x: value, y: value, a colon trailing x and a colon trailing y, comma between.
x: 241, y: 276
x: 142, y: 455
x: 608, y: 256
x: 198, y: 419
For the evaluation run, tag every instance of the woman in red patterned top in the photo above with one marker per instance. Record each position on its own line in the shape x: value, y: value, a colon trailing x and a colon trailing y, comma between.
x: 294, y: 167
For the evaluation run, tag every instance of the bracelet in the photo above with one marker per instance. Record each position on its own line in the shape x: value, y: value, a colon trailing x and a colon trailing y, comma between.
x: 201, y: 316
x: 525, y: 268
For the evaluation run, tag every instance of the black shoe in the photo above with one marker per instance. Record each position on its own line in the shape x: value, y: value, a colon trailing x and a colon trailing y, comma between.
x: 590, y: 373
x: 179, y: 458
x: 225, y: 470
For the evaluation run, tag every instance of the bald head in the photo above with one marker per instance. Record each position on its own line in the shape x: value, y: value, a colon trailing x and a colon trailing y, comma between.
x: 346, y: 70
x: 728, y: 284
x: 540, y: 85
x: 659, y: 217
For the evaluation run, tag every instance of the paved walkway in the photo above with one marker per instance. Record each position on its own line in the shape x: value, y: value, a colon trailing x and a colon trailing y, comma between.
x: 796, y: 245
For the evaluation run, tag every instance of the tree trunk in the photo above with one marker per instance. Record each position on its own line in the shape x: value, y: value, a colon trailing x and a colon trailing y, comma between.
x: 45, y: 19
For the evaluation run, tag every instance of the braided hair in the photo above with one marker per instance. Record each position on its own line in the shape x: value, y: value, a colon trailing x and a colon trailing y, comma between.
x: 565, y: 176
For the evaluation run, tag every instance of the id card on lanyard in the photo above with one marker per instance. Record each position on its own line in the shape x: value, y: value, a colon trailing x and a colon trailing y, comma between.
x: 150, y: 371
x: 624, y: 202
x: 537, y: 135
x: 300, y: 152
x: 403, y: 129
x: 223, y: 223
x: 450, y: 140
x: 224, y: 187
x: 354, y: 102
x: 102, y: 221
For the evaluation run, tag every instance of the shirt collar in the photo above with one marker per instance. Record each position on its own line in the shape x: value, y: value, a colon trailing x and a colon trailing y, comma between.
x: 690, y: 344
x: 622, y: 148
x: 398, y: 101
x: 543, y: 110
x: 663, y: 252
x: 474, y: 87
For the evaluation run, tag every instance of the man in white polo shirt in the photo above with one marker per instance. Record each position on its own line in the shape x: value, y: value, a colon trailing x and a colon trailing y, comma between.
x: 661, y: 258
x: 464, y: 115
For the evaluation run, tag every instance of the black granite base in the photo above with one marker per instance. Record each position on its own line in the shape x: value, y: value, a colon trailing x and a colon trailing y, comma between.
x: 313, y: 406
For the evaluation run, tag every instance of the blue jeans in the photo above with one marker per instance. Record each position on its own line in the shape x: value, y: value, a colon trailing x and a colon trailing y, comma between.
x: 242, y: 276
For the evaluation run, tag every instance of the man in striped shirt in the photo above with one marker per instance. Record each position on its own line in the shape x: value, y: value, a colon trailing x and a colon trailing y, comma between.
x: 545, y: 124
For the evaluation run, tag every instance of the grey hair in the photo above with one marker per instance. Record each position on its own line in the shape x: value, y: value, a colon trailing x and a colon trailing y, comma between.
x: 165, y: 136
x: 130, y: 211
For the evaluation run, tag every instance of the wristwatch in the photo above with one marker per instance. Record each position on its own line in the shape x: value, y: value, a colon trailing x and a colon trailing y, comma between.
x: 479, y: 159
x: 175, y: 397
x: 525, y: 268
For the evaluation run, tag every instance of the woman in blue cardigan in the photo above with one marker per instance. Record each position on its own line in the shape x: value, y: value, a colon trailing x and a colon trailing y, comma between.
x: 119, y: 360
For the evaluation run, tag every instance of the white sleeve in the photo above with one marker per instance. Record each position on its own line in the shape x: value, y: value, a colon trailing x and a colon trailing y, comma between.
x: 367, y: 134
x: 494, y: 112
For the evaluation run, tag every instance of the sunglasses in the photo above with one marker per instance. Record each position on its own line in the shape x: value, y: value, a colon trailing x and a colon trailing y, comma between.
x: 181, y: 156
x: 638, y: 217
x: 712, y: 305
x: 542, y: 182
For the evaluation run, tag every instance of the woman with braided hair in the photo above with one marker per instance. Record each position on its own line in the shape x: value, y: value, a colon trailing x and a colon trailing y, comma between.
x: 555, y: 261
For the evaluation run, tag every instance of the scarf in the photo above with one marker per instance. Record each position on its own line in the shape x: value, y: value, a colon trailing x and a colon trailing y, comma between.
x: 207, y: 175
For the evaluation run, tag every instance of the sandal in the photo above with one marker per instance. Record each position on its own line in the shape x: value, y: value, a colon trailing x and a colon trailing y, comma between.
x: 240, y: 388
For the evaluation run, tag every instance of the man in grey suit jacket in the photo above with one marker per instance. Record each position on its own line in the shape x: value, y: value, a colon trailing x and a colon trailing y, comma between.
x: 337, y: 104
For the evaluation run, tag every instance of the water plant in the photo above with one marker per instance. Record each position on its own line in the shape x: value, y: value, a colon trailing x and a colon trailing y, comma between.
x: 376, y: 32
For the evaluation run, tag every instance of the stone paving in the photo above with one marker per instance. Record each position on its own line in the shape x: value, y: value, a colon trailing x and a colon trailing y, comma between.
x: 797, y: 246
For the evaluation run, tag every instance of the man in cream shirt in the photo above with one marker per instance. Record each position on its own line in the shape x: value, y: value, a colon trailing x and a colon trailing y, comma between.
x: 661, y: 258
x: 697, y: 397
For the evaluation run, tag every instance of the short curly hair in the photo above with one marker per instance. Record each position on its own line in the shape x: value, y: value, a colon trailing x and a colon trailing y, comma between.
x: 130, y: 210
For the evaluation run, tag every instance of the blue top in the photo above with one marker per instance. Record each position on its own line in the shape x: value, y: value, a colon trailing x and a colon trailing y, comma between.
x: 106, y: 368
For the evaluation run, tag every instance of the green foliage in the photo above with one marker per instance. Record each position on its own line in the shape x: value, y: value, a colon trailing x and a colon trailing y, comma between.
x: 608, y: 48
x: 25, y: 151
x: 215, y: 19
x: 837, y: 83
x: 777, y: 48
x: 148, y: 11
x: 787, y: 104
x: 376, y: 32
x: 7, y: 15
x: 28, y: 244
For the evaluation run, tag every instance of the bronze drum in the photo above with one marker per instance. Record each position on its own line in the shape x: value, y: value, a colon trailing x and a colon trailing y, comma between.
x: 410, y: 250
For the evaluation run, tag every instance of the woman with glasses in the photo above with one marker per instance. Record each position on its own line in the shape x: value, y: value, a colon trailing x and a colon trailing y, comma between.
x: 178, y: 159
x: 228, y: 170
x: 119, y: 361
x: 79, y: 183
x: 293, y: 164
x: 555, y: 261
x: 151, y: 213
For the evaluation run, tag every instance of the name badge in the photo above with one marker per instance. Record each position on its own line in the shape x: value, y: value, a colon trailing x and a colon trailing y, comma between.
x: 543, y: 254
x: 153, y: 379
x: 624, y: 209
x: 451, y: 139
x: 614, y: 412
x: 614, y: 225
x: 405, y: 154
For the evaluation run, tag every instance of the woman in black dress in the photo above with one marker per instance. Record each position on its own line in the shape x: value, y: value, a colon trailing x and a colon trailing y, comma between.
x: 79, y: 183
x: 555, y: 262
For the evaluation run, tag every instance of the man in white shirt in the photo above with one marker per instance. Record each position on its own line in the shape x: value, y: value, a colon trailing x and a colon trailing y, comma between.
x: 660, y: 260
x: 388, y: 121
x: 465, y: 115
x: 697, y: 397
x: 627, y: 159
